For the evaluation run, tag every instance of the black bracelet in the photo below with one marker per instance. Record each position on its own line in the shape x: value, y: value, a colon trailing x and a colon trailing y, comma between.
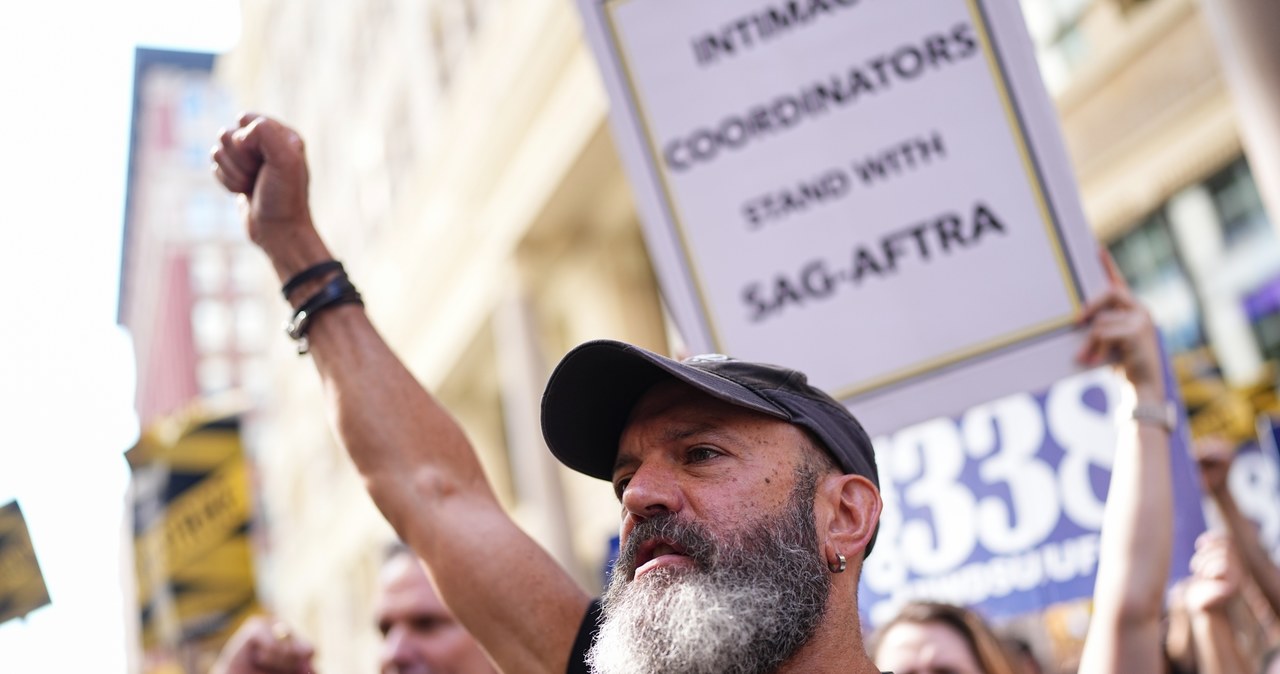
x: 315, y: 271
x: 336, y: 292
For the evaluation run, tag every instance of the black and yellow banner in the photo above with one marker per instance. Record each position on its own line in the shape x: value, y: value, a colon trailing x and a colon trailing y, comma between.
x: 192, y: 513
x: 22, y: 588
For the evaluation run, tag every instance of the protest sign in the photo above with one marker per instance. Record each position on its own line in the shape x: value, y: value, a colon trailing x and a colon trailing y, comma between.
x: 1001, y: 508
x: 22, y: 586
x: 1254, y: 481
x: 873, y: 192
x: 191, y: 513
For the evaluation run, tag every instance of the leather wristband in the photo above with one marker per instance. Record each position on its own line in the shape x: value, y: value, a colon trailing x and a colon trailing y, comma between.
x: 311, y: 273
x: 336, y: 292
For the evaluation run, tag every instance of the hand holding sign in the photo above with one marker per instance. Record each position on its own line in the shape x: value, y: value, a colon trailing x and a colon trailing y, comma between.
x: 1121, y: 329
x: 1137, y: 529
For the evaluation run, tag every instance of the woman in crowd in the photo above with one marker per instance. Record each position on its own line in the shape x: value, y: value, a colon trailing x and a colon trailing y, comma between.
x: 936, y: 638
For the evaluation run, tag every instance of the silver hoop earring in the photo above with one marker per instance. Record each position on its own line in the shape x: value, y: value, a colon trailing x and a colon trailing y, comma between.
x: 840, y: 565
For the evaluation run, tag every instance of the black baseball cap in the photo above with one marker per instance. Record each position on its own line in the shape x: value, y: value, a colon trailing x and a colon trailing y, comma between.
x: 592, y: 391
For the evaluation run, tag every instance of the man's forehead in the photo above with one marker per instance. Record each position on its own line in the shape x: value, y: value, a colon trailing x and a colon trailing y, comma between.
x: 674, y: 398
x: 404, y: 582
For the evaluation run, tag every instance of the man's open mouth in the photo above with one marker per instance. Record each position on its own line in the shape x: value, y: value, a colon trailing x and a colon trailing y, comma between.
x: 659, y: 553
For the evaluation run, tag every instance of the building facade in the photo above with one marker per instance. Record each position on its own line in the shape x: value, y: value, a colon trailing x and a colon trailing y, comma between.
x: 463, y: 170
x: 191, y: 297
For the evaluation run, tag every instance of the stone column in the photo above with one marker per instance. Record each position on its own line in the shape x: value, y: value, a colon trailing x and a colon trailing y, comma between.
x: 1194, y: 224
x: 1245, y: 33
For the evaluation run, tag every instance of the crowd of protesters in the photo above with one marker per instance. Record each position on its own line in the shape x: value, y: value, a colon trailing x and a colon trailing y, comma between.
x: 749, y: 500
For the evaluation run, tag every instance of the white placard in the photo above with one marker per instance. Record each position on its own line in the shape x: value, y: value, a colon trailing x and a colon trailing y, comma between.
x: 874, y: 192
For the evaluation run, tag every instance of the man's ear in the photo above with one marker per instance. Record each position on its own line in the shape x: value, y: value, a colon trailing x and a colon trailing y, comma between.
x: 852, y: 508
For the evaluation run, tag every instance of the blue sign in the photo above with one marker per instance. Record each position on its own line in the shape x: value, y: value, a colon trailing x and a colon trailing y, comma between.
x: 1000, y: 508
x: 1254, y: 481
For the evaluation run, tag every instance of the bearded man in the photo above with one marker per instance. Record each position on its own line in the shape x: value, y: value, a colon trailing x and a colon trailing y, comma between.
x: 749, y: 498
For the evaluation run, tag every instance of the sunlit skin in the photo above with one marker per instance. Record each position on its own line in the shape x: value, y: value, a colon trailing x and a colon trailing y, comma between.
x: 710, y: 462
x: 420, y: 635
x: 925, y: 648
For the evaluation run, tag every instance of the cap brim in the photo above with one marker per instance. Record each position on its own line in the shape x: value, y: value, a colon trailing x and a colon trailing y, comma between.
x: 592, y: 391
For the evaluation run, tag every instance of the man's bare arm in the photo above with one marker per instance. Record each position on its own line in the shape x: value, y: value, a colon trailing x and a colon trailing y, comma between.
x: 416, y: 461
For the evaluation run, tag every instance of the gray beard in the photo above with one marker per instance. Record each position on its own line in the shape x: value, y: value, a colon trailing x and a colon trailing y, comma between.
x: 750, y: 604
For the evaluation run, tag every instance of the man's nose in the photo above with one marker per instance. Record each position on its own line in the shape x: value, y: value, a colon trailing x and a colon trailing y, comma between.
x: 654, y: 489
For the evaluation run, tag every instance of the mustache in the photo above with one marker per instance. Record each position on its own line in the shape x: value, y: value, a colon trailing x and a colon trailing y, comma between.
x: 694, y: 540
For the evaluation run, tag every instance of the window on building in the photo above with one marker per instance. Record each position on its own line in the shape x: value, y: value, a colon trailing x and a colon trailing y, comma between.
x: 248, y: 274
x: 211, y: 323
x: 252, y: 328
x: 1251, y: 252
x: 1262, y: 308
x: 1056, y: 28
x: 1240, y: 210
x: 1149, y: 261
x: 214, y: 374
x: 208, y: 269
x: 451, y: 28
x: 255, y: 376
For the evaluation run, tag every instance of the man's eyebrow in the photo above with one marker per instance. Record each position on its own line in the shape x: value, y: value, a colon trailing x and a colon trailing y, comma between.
x: 686, y: 431
x: 674, y: 433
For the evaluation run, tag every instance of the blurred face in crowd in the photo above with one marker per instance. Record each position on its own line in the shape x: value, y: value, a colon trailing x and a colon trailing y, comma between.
x: 925, y: 648
x: 720, y: 567
x: 419, y: 634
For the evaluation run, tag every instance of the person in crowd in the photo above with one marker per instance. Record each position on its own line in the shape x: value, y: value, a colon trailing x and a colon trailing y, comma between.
x: 1214, y: 457
x: 1125, y: 632
x: 1179, y: 639
x: 263, y: 645
x: 419, y: 633
x: 1021, y: 655
x: 938, y: 638
x: 749, y: 498
x: 1214, y: 584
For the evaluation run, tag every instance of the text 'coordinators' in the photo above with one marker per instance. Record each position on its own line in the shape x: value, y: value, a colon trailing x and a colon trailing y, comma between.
x: 787, y: 111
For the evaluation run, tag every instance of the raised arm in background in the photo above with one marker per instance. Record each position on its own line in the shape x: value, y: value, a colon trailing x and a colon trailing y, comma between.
x: 1214, y: 457
x: 1213, y: 586
x: 416, y: 461
x: 1137, y: 529
x: 263, y: 646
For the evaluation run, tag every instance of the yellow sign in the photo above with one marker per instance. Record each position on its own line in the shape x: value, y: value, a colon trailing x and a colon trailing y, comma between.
x: 1215, y: 408
x: 191, y: 518
x: 22, y: 588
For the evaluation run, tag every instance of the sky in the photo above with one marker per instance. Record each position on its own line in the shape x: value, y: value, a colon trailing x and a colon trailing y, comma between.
x: 66, y: 368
